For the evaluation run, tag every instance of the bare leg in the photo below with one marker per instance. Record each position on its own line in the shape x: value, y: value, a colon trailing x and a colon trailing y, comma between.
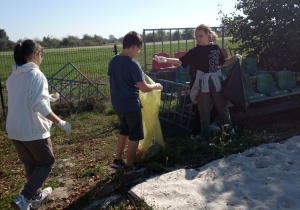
x: 122, y: 140
x: 131, y: 152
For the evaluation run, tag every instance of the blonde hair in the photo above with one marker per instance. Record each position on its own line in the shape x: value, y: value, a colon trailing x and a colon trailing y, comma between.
x: 206, y: 30
x: 214, y: 37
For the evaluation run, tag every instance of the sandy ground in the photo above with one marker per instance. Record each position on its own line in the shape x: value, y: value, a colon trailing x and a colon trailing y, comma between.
x: 264, y: 177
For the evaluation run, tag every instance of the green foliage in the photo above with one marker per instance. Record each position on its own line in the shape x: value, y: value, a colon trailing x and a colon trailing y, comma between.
x: 3, y: 34
x: 54, y: 183
x: 5, y: 43
x: 109, y: 110
x: 69, y: 41
x: 165, y: 35
x: 92, y: 170
x: 269, y: 30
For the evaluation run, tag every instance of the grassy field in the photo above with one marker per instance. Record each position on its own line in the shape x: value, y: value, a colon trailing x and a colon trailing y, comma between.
x: 93, y: 61
x: 82, y: 172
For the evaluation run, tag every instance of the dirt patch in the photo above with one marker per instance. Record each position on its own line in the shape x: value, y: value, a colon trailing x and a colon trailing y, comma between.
x: 62, y: 192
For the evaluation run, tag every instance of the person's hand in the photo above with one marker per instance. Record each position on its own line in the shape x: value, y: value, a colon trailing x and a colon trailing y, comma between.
x: 54, y: 97
x: 160, y: 59
x: 65, y: 126
x: 239, y: 57
x: 159, y: 86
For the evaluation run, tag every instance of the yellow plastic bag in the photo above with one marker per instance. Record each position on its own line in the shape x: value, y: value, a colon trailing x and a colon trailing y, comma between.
x: 153, y: 142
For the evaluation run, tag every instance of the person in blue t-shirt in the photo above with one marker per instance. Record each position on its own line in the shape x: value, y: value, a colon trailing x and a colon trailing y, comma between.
x: 126, y: 79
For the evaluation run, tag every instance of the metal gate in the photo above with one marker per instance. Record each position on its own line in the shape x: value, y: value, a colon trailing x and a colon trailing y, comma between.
x: 73, y: 86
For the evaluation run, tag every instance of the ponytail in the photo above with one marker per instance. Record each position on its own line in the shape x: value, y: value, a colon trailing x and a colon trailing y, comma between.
x: 24, y: 50
x: 19, y: 56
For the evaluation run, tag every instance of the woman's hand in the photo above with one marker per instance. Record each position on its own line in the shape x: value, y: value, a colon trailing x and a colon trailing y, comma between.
x: 160, y: 59
x: 239, y: 57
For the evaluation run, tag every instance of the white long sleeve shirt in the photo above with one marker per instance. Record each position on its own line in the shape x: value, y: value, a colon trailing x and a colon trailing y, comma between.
x: 28, y: 104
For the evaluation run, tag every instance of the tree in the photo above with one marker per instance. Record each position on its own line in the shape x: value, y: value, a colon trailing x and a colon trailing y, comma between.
x: 99, y: 40
x: 160, y: 36
x: 3, y: 34
x: 70, y: 41
x: 120, y: 40
x: 50, y: 42
x: 87, y: 40
x: 149, y: 37
x: 176, y: 35
x: 112, y: 39
x: 188, y: 34
x: 269, y: 30
x: 5, y: 43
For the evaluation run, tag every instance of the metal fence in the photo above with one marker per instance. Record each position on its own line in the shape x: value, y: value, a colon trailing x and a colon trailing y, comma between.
x: 92, y: 61
x: 171, y: 40
x: 175, y: 104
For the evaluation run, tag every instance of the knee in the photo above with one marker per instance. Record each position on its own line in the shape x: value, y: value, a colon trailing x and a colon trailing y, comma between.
x: 48, y: 164
x: 51, y: 162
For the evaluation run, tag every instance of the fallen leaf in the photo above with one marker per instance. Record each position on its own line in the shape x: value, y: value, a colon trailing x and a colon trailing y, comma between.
x: 50, y: 200
x: 92, y: 166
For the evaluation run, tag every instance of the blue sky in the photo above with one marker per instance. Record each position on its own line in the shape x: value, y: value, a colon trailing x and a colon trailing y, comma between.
x: 35, y: 19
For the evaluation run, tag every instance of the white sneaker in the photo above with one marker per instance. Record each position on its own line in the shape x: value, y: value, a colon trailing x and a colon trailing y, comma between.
x: 193, y: 137
x: 214, y: 127
x: 35, y: 203
x: 20, y: 203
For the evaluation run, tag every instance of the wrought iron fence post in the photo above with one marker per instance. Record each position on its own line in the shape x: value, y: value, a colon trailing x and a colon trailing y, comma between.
x: 2, y: 101
x: 223, y: 32
x: 115, y: 49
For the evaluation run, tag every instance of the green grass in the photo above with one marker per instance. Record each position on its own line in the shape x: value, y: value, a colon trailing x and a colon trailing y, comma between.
x: 93, y: 61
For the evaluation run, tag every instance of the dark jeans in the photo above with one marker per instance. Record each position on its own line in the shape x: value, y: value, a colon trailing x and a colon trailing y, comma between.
x: 204, y: 104
x: 37, y: 157
x: 195, y: 122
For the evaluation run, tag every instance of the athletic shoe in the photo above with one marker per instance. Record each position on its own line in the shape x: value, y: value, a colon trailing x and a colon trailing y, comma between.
x: 214, y: 127
x: 117, y: 163
x: 20, y: 203
x: 35, y: 203
x: 194, y: 137
x: 132, y: 169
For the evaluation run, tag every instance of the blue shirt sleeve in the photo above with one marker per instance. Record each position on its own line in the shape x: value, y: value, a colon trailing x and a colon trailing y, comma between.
x: 137, y: 72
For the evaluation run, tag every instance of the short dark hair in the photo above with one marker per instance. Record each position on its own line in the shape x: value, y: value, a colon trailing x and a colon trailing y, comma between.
x: 24, y: 50
x: 132, y: 38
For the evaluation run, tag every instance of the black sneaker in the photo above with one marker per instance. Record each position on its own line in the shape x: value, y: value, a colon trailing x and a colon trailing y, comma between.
x: 128, y: 170
x: 133, y: 169
x: 117, y: 163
